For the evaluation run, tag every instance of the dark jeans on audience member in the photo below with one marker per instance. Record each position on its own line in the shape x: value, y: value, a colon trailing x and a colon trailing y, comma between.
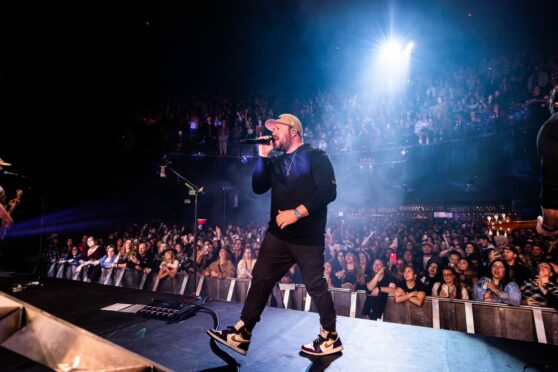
x: 374, y: 306
x: 94, y: 272
x: 276, y: 257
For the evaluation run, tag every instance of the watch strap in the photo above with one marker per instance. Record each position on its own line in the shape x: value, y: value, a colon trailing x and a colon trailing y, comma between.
x: 547, y: 228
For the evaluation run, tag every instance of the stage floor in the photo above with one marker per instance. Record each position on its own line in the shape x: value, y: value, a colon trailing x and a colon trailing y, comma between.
x: 275, y: 346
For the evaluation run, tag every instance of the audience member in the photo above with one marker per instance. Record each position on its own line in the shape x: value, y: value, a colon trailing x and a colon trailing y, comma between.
x: 497, y: 287
x: 433, y: 275
x: 246, y: 264
x: 410, y: 289
x: 542, y: 290
x: 451, y: 286
x: 222, y: 268
x: 378, y: 288
x: 169, y: 265
x: 518, y: 272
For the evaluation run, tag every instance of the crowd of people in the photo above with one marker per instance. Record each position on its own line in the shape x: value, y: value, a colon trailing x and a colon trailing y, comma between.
x: 455, y: 102
x: 411, y: 259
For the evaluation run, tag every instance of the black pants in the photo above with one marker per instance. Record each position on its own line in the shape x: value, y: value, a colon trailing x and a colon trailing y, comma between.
x: 374, y: 306
x: 276, y: 257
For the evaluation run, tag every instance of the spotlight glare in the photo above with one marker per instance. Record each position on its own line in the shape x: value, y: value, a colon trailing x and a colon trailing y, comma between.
x: 391, y: 49
x: 391, y: 64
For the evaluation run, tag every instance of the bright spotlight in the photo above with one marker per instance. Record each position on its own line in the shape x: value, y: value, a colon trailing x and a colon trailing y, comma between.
x: 389, y: 70
x: 391, y: 49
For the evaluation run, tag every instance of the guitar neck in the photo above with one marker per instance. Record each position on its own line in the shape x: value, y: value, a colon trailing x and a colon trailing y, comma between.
x: 13, y: 206
x: 502, y: 227
x: 530, y: 224
x: 11, y: 209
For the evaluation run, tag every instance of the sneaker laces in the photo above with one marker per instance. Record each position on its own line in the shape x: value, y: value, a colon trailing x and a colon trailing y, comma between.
x: 319, y: 340
x: 242, y: 332
x: 232, y: 329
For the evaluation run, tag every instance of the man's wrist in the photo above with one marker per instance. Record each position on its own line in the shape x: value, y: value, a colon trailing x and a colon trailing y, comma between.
x: 297, y: 214
x: 263, y: 155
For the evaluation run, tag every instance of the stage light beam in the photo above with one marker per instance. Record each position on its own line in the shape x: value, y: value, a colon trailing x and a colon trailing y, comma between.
x: 392, y: 65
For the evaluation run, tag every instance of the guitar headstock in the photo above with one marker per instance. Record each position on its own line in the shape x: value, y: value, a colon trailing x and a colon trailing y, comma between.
x: 504, y: 225
x: 15, y: 201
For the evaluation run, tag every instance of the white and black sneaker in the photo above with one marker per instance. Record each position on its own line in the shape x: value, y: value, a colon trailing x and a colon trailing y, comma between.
x: 236, y: 337
x: 326, y: 343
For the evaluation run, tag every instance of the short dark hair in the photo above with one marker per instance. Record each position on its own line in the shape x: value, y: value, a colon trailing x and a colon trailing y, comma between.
x: 453, y: 251
x: 410, y: 266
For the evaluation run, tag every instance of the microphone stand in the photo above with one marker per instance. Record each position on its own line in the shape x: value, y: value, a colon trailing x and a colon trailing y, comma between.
x: 194, y: 191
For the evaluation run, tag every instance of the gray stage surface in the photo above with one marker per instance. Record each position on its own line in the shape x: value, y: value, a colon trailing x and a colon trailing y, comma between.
x: 369, y: 345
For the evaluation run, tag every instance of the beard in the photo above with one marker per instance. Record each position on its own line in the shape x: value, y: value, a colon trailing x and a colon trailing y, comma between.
x: 282, y: 144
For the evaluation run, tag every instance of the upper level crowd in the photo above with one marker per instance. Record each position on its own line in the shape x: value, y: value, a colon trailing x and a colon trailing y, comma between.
x: 396, y: 254
x: 455, y: 102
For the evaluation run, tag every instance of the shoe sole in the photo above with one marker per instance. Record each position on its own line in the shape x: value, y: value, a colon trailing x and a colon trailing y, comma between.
x: 333, y: 351
x: 220, y: 340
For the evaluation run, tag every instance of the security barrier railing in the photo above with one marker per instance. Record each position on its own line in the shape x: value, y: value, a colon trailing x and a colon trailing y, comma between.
x: 525, y: 323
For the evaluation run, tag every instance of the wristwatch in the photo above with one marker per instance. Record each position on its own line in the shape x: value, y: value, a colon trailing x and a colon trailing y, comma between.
x: 297, y: 214
x: 547, y: 228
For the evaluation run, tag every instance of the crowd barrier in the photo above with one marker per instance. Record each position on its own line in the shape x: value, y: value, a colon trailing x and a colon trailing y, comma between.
x: 526, y: 323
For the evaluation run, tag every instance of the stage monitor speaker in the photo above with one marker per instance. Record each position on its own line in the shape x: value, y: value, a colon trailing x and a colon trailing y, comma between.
x: 57, y: 344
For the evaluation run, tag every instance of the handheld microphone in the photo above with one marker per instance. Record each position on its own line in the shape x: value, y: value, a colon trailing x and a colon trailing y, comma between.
x: 6, y: 173
x: 265, y: 140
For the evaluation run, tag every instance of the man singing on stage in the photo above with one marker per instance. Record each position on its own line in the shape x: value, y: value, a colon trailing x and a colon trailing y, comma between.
x: 302, y: 184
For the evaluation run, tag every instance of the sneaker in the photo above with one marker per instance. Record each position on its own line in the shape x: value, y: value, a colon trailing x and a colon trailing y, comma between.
x: 236, y: 337
x: 326, y: 343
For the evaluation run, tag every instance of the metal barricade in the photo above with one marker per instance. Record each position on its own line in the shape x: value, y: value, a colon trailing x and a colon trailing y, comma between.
x: 70, y: 271
x: 241, y: 290
x: 133, y: 279
x: 52, y: 270
x: 525, y: 323
x: 106, y: 277
x: 171, y: 285
x: 216, y: 288
x: 513, y: 322
x: 66, y: 271
x: 536, y: 324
